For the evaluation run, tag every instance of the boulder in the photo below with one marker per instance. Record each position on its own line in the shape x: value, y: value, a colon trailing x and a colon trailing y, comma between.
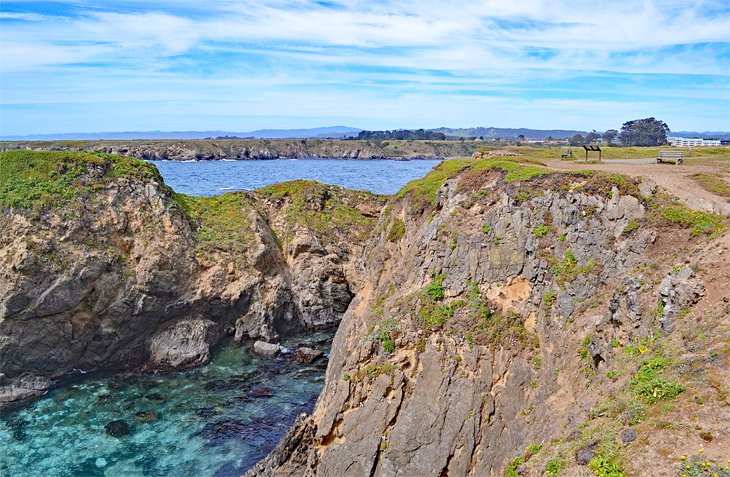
x: 306, y: 355
x: 186, y: 344
x: 267, y: 350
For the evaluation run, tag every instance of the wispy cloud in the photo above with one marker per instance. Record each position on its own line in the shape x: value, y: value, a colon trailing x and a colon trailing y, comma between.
x: 377, y: 63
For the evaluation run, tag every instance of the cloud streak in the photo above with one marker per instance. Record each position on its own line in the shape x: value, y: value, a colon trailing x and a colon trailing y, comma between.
x: 394, y: 57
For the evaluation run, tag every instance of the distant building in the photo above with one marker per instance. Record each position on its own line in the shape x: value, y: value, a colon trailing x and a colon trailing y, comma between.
x: 692, y: 142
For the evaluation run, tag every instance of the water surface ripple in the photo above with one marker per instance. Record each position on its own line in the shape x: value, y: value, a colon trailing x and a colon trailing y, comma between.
x: 207, y: 178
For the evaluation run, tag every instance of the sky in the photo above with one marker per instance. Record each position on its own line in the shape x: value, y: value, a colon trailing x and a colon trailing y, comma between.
x: 239, y: 65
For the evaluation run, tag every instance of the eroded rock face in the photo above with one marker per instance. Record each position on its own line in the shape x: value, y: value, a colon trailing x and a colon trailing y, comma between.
x: 127, y: 275
x: 471, y: 327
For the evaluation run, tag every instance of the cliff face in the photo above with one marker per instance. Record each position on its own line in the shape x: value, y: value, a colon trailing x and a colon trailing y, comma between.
x: 518, y: 322
x: 103, y: 266
x: 259, y: 149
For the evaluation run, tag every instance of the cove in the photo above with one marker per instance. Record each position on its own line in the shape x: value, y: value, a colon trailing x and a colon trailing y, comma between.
x: 216, y: 420
x: 207, y: 178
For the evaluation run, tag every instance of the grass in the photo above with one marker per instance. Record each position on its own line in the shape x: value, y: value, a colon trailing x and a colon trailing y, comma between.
x: 713, y: 182
x: 43, y: 179
x: 397, y: 230
x: 220, y: 223
x: 325, y: 210
x: 651, y: 385
x: 700, y: 222
x: 426, y: 187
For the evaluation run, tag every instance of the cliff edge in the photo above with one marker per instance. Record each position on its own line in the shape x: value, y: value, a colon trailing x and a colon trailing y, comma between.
x: 521, y: 322
x: 102, y: 266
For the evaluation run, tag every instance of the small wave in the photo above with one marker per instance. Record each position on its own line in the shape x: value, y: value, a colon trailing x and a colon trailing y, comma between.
x: 225, y: 188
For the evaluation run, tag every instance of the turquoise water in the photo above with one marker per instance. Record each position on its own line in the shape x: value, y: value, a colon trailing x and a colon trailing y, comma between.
x: 217, y: 420
x: 208, y: 178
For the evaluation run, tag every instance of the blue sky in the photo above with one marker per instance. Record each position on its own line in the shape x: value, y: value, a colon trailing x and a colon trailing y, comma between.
x: 72, y: 66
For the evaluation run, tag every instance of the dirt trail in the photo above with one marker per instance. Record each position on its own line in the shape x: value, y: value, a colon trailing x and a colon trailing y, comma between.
x: 675, y: 179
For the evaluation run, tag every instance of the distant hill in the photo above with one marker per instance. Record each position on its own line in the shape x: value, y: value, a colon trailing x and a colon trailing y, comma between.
x: 508, y: 133
x: 329, y: 132
x: 703, y: 135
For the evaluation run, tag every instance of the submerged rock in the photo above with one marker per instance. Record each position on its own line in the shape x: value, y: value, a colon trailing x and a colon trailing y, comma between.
x: 305, y: 354
x: 117, y: 428
x: 146, y: 416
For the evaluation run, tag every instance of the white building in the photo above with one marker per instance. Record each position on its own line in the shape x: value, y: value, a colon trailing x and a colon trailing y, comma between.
x: 692, y: 142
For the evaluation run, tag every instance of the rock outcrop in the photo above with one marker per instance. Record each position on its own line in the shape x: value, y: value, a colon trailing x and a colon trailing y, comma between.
x: 104, y: 267
x: 259, y: 149
x: 491, y: 299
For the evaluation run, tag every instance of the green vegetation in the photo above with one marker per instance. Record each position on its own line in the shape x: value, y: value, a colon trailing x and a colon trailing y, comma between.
x: 698, y: 466
x: 323, y: 209
x: 650, y: 385
x: 549, y: 298
x: 713, y: 182
x: 630, y: 227
x: 541, y: 230
x: 568, y: 270
x: 606, y: 467
x: 583, y: 352
x: 700, y: 222
x: 37, y: 180
x: 511, y: 469
x: 426, y: 187
x: 386, y: 335
x: 435, y: 289
x: 397, y: 230
x: 372, y: 371
x: 555, y: 467
x: 220, y: 223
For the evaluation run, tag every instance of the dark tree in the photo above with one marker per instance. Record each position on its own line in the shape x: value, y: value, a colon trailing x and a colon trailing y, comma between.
x: 610, y: 135
x: 644, y: 132
x: 577, y: 140
x: 592, y: 136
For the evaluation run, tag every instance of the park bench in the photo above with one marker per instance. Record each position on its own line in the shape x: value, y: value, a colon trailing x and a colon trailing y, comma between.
x: 676, y: 157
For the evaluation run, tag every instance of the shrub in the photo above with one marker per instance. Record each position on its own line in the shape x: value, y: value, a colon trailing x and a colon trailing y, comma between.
x: 541, y: 230
x: 650, y: 385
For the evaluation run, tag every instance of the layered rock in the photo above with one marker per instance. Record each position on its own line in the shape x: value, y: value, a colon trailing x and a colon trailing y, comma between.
x: 485, y: 308
x: 113, y: 270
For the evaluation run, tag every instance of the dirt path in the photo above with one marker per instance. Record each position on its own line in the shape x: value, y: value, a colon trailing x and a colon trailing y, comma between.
x: 675, y: 179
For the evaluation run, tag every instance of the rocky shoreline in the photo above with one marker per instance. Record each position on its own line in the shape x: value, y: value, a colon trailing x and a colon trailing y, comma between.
x: 257, y: 149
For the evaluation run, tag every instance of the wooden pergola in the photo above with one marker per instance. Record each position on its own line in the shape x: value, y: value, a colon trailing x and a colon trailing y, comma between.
x: 592, y: 149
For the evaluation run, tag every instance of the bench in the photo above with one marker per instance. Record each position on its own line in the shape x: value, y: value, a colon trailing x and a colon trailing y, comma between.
x: 676, y: 157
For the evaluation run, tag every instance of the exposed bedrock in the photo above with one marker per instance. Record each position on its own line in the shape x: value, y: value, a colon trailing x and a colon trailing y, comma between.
x: 127, y: 274
x: 486, y: 322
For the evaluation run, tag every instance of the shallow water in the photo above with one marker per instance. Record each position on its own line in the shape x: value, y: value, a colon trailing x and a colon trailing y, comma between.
x: 219, y: 419
x: 208, y: 178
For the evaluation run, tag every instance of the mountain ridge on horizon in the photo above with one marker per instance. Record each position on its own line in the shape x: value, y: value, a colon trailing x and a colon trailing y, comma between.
x: 325, y: 132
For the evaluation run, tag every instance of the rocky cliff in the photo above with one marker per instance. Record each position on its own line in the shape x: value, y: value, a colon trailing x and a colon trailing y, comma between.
x: 198, y: 150
x: 511, y: 321
x: 102, y: 266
